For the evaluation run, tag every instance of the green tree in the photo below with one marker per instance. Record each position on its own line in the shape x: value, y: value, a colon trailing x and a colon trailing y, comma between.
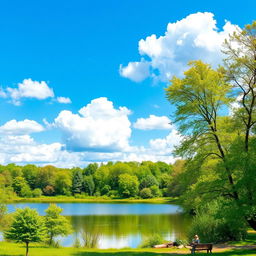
x: 46, y: 176
x: 115, y: 171
x: 89, y: 185
x: 20, y: 186
x: 240, y: 68
x: 63, y: 183
x: 90, y: 169
x: 148, y: 181
x: 146, y: 193
x: 27, y: 227
x: 77, y: 181
x: 30, y: 173
x: 200, y: 98
x: 56, y: 224
x: 128, y: 185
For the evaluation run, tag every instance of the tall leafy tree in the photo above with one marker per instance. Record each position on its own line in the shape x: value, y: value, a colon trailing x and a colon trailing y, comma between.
x: 56, y: 224
x: 240, y: 64
x: 27, y: 227
x: 128, y: 185
x: 77, y: 181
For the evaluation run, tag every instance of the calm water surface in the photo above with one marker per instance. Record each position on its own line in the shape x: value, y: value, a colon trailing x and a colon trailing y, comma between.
x: 118, y: 225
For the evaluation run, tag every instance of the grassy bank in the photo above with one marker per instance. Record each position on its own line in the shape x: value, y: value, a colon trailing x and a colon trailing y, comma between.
x: 71, y: 199
x: 10, y: 249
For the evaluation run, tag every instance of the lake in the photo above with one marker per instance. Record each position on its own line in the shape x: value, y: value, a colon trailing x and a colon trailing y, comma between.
x: 118, y: 225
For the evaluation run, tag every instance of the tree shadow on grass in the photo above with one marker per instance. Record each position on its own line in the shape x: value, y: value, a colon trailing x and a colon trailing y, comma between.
x: 126, y: 254
x: 130, y: 253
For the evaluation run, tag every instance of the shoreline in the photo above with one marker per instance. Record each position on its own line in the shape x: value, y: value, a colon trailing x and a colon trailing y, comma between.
x: 56, y: 199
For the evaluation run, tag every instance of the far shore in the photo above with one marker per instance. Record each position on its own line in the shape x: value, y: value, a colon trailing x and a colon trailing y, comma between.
x: 92, y: 199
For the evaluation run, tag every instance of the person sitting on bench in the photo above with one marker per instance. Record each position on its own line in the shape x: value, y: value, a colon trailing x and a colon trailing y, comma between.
x: 195, y: 241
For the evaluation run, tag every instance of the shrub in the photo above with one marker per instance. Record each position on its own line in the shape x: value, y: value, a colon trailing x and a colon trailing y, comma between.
x: 37, y: 192
x: 216, y: 224
x: 146, y: 193
x: 90, y: 240
x: 156, y: 192
x: 77, y: 243
x: 105, y: 189
x: 26, y: 191
x: 151, y: 241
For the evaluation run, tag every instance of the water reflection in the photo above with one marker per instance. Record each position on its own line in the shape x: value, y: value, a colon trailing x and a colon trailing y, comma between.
x: 118, y: 225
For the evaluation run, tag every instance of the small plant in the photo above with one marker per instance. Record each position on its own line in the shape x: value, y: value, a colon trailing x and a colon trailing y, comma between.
x: 77, y: 243
x: 179, y: 242
x: 151, y: 241
x: 90, y: 240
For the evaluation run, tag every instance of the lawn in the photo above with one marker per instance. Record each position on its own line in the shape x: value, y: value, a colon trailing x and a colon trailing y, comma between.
x: 11, y: 249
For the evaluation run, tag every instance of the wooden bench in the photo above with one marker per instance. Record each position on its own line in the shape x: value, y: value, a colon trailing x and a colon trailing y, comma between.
x: 201, y: 247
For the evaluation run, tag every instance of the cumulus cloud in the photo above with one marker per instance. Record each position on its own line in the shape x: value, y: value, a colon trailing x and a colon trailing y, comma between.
x: 136, y: 71
x: 165, y: 146
x: 194, y: 37
x: 26, y: 126
x: 153, y: 123
x: 30, y: 89
x: 64, y: 100
x: 96, y: 127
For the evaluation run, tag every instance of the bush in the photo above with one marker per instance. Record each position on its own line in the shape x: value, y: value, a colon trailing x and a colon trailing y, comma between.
x: 216, y: 224
x: 151, y: 241
x: 105, y: 189
x: 37, y: 192
x: 113, y: 193
x: 179, y: 242
x: 26, y: 191
x: 156, y: 192
x: 146, y: 193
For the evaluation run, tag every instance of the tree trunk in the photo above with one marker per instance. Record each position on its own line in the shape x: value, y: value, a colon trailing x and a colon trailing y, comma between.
x: 26, y: 248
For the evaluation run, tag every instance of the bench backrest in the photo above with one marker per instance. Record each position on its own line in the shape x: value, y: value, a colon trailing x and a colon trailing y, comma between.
x: 203, y: 246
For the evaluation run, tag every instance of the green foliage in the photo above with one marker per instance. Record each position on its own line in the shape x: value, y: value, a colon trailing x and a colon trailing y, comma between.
x: 37, y: 192
x: 63, y: 183
x: 128, y: 185
x: 156, y: 192
x: 151, y: 241
x: 27, y: 226
x: 56, y: 224
x: 216, y: 222
x: 148, y: 181
x: 104, y: 180
x: 18, y: 183
x: 146, y: 193
x: 77, y: 182
x: 90, y: 240
x: 89, y: 185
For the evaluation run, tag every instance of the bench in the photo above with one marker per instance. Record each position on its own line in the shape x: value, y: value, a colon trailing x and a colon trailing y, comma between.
x: 201, y: 247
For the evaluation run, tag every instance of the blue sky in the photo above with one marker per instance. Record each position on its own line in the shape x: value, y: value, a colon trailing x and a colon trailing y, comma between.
x: 88, y: 52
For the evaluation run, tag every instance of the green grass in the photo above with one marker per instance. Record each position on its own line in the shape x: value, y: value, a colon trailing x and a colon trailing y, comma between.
x: 71, y: 199
x: 11, y: 249
x: 250, y: 239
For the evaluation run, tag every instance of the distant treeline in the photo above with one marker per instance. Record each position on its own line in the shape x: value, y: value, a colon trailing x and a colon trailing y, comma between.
x: 114, y: 180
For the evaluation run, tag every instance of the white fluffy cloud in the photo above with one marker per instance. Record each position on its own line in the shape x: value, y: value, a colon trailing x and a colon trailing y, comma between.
x: 136, y: 71
x: 64, y: 100
x: 97, y: 127
x: 153, y: 123
x: 24, y: 127
x: 30, y: 89
x: 194, y: 37
x: 165, y: 146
